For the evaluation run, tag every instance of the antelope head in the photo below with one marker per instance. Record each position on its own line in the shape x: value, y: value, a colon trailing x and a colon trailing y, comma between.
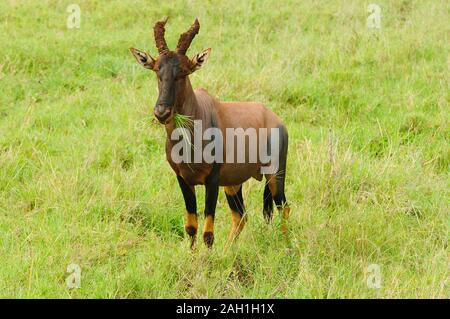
x: 172, y: 69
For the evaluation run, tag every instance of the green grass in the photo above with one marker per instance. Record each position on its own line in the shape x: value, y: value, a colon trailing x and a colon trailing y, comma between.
x: 83, y: 176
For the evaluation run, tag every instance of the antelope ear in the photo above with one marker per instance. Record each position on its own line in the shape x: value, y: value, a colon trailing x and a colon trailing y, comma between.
x: 200, y: 59
x: 143, y: 58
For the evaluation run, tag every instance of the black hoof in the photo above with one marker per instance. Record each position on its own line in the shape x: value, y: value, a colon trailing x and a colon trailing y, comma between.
x: 208, y: 238
x: 191, y: 230
x: 267, y: 216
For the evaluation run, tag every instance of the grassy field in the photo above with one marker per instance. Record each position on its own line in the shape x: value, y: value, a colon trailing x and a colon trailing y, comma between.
x: 83, y: 176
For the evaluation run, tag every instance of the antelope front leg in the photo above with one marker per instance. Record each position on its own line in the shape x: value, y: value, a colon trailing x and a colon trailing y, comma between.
x: 190, y: 202
x: 238, y: 216
x: 212, y: 192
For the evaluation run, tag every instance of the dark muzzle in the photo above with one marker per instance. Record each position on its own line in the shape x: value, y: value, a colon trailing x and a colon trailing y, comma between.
x: 165, y: 102
x: 162, y: 113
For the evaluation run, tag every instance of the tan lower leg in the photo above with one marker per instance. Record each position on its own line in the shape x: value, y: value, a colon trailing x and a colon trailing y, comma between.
x: 284, y: 218
x: 237, y: 224
x: 191, y: 226
x: 208, y: 231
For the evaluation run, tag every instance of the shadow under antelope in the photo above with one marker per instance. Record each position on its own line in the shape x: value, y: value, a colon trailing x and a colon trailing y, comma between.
x: 176, y: 96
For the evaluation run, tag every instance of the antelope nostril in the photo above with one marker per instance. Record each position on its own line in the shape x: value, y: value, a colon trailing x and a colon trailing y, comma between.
x: 162, y: 113
x: 160, y: 109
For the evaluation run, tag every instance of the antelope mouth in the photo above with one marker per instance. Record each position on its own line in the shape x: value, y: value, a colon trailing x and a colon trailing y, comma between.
x: 165, y: 117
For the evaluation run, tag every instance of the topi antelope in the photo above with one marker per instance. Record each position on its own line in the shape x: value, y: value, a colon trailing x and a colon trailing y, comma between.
x: 176, y: 97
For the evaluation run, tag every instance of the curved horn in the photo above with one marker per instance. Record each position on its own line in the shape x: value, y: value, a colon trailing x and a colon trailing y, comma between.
x: 186, y: 38
x: 159, y: 30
